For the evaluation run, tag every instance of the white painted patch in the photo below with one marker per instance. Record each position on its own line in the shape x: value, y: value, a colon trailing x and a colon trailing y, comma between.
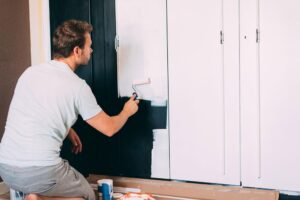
x: 142, y: 52
x: 160, y: 154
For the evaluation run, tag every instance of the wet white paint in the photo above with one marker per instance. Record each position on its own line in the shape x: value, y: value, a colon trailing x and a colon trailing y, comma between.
x: 142, y: 52
x: 160, y: 154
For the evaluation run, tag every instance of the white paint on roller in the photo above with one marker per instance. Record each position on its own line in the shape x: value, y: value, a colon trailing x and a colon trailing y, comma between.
x: 141, y: 82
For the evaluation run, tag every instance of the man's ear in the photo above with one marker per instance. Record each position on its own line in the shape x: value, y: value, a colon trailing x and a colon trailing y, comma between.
x: 77, y: 51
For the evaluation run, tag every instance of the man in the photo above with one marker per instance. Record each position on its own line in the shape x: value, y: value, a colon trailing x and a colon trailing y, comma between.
x: 46, y: 102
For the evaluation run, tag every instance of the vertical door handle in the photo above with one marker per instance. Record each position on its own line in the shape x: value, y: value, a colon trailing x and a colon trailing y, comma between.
x: 116, y: 42
x: 221, y: 37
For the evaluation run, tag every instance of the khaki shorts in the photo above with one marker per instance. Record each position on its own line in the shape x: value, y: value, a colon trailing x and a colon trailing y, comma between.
x: 60, y: 180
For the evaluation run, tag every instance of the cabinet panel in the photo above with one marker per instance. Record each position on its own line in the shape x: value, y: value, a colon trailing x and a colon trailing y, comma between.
x: 270, y: 97
x: 75, y: 9
x: 101, y: 75
x: 142, y: 51
x: 203, y: 91
x: 142, y: 54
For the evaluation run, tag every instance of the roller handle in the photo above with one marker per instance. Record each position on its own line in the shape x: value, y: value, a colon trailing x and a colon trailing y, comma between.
x: 136, y: 96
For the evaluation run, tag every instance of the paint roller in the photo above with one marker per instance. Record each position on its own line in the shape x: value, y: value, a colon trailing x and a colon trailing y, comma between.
x: 136, y: 83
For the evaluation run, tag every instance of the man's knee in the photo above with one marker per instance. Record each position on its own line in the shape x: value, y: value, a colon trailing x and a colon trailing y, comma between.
x: 91, y: 194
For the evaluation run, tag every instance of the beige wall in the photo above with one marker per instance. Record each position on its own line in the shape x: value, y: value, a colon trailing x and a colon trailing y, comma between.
x: 14, y: 50
x: 39, y: 31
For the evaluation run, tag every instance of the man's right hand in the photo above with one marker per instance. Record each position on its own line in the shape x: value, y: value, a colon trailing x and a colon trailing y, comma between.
x: 131, y: 106
x: 111, y: 125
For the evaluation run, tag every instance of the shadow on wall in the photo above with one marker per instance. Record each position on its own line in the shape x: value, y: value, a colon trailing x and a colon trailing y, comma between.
x: 14, y: 51
x: 128, y: 153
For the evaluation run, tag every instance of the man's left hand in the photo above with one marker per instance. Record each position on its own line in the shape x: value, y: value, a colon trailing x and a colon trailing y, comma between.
x: 76, y: 142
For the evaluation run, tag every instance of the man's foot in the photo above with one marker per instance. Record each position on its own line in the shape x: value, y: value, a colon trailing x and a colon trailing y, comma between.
x: 32, y: 197
x: 38, y: 197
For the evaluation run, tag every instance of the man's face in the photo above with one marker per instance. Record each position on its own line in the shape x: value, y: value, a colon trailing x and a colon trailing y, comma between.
x: 87, y: 50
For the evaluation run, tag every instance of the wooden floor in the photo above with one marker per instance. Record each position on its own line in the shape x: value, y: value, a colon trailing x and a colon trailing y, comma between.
x: 168, y: 190
x: 4, y: 196
x: 4, y: 191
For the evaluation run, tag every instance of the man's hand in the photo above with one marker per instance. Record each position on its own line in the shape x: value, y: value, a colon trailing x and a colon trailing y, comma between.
x: 74, y: 138
x: 111, y: 125
x: 131, y: 106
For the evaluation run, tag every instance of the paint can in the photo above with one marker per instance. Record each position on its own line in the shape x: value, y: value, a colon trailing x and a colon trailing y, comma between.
x: 105, y: 189
x: 16, y: 195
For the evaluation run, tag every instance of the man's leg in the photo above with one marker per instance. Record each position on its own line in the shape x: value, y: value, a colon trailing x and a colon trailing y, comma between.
x: 38, y: 197
x: 70, y: 183
x: 60, y: 180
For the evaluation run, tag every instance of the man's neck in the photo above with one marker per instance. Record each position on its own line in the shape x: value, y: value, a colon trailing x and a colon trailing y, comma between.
x: 69, y: 61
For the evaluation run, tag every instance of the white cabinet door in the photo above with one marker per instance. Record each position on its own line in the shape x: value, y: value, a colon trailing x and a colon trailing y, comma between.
x: 270, y: 97
x: 204, y: 90
x: 142, y: 54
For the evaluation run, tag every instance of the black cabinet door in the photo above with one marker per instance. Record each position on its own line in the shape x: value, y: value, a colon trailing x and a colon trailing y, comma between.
x: 100, y: 154
x: 129, y: 152
x: 72, y: 9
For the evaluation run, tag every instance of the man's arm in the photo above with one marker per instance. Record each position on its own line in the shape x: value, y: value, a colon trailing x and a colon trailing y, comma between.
x: 109, y: 125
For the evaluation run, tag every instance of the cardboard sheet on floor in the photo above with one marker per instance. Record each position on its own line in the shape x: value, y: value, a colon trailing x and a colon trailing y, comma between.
x: 167, y: 190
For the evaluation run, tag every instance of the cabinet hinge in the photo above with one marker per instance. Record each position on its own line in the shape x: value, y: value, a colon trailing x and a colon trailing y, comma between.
x: 117, y: 42
x: 257, y: 36
x: 221, y: 37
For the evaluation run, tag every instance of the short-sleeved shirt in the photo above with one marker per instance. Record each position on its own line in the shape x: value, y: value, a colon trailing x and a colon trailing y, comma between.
x: 46, y: 103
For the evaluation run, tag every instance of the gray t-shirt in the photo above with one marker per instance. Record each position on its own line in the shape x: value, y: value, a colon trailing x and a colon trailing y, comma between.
x: 46, y: 103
